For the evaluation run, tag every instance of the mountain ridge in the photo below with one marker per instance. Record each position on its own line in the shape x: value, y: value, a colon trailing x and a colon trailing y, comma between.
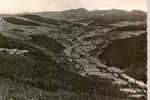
x: 80, y: 13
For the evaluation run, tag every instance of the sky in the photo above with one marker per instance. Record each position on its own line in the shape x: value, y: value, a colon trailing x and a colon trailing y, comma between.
x: 19, y: 6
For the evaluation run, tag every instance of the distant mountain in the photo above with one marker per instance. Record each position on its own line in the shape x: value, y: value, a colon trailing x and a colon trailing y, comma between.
x: 81, y: 13
x: 112, y: 16
x: 67, y: 15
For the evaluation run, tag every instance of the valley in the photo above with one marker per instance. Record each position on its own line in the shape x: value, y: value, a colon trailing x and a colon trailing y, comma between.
x: 66, y: 53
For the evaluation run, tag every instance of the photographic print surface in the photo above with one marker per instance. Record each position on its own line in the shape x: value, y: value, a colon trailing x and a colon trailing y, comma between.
x: 73, y: 50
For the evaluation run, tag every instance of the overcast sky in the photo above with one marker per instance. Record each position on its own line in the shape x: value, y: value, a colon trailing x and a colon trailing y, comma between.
x: 17, y: 6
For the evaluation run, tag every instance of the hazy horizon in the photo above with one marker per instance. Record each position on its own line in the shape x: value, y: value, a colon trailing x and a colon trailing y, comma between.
x: 20, y: 6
